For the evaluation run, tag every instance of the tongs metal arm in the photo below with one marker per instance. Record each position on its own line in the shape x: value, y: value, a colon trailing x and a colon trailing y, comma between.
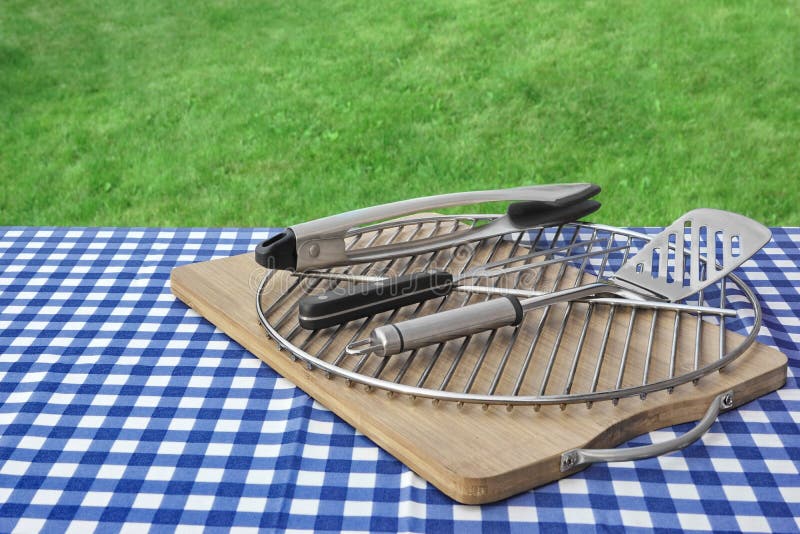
x: 520, y: 216
x: 320, y: 243
x: 557, y: 195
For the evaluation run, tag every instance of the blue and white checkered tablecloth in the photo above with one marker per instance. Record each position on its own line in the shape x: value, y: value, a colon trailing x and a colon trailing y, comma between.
x: 122, y: 409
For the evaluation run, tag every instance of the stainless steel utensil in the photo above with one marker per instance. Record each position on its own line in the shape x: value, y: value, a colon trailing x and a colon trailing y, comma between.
x: 321, y: 243
x: 665, y: 269
x: 338, y: 306
x: 375, y: 294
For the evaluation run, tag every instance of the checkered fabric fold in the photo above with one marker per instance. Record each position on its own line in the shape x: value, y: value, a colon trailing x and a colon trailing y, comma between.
x: 122, y: 409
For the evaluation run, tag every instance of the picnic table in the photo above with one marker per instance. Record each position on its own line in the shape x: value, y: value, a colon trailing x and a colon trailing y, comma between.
x: 123, y: 409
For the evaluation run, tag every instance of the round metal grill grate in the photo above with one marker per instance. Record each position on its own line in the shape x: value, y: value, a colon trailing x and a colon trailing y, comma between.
x: 567, y: 353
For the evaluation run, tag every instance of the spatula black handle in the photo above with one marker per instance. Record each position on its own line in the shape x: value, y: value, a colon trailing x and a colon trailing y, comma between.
x: 347, y: 303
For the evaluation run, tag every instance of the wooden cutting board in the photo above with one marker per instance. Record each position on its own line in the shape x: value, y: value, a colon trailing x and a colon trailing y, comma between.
x: 473, y: 455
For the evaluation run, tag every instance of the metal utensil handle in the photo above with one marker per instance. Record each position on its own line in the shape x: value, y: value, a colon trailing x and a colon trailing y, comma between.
x: 439, y: 327
x: 610, y: 301
x: 557, y: 195
x: 574, y: 293
x: 581, y: 457
x: 444, y: 326
x: 536, y: 215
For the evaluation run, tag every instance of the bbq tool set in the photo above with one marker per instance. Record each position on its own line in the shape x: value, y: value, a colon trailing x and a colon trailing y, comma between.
x: 658, y: 271
x: 607, y: 315
x: 696, y: 252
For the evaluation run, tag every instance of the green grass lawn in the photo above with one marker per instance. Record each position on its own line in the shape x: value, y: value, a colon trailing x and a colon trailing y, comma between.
x: 271, y: 113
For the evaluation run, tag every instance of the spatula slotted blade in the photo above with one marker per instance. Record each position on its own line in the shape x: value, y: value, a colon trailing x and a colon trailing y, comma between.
x: 697, y: 250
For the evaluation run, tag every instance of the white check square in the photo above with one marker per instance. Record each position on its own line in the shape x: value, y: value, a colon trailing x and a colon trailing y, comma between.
x: 694, y: 522
x: 304, y: 507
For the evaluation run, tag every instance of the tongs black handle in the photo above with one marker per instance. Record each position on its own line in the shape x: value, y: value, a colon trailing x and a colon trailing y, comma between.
x: 321, y: 243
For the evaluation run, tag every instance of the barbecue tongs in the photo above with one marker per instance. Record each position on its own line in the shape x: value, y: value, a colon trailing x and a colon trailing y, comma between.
x: 321, y: 243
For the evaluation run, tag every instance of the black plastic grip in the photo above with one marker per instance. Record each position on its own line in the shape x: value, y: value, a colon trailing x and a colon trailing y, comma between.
x: 347, y: 303
x: 531, y: 214
x: 278, y: 252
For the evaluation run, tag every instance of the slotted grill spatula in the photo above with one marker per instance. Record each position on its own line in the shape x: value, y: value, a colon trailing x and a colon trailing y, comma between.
x: 667, y: 268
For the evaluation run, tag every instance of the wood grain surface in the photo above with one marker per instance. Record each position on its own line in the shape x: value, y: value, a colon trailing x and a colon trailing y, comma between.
x: 478, y: 456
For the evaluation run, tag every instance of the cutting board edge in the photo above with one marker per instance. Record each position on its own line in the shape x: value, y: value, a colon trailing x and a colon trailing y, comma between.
x: 492, y: 488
